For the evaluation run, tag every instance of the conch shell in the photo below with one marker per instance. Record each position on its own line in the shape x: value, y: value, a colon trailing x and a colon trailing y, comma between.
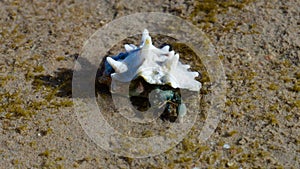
x: 156, y: 66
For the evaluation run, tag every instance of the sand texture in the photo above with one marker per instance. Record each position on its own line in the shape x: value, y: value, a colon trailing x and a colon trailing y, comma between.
x: 257, y: 41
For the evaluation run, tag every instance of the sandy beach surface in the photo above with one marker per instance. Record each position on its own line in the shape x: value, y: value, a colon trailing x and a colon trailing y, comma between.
x: 257, y: 42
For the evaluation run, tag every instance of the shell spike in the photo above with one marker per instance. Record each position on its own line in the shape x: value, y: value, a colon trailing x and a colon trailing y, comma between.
x: 194, y: 74
x: 175, y: 59
x: 172, y: 53
x: 129, y: 47
x: 145, y: 34
x: 144, y: 37
x: 166, y: 48
x: 186, y: 66
x: 119, y: 67
x: 172, y: 60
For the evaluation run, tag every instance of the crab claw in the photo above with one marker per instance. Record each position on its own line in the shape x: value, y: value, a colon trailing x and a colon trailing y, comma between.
x: 181, y: 112
x: 119, y: 67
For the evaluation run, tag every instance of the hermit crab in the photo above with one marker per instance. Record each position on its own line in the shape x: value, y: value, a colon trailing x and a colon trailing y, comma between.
x: 155, y: 77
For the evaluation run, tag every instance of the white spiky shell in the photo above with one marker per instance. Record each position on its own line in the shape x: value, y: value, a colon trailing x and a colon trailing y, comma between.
x: 156, y: 66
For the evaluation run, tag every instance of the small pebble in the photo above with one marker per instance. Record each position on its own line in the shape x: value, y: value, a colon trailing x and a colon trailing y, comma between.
x: 242, y: 141
x: 226, y: 146
x: 230, y: 164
